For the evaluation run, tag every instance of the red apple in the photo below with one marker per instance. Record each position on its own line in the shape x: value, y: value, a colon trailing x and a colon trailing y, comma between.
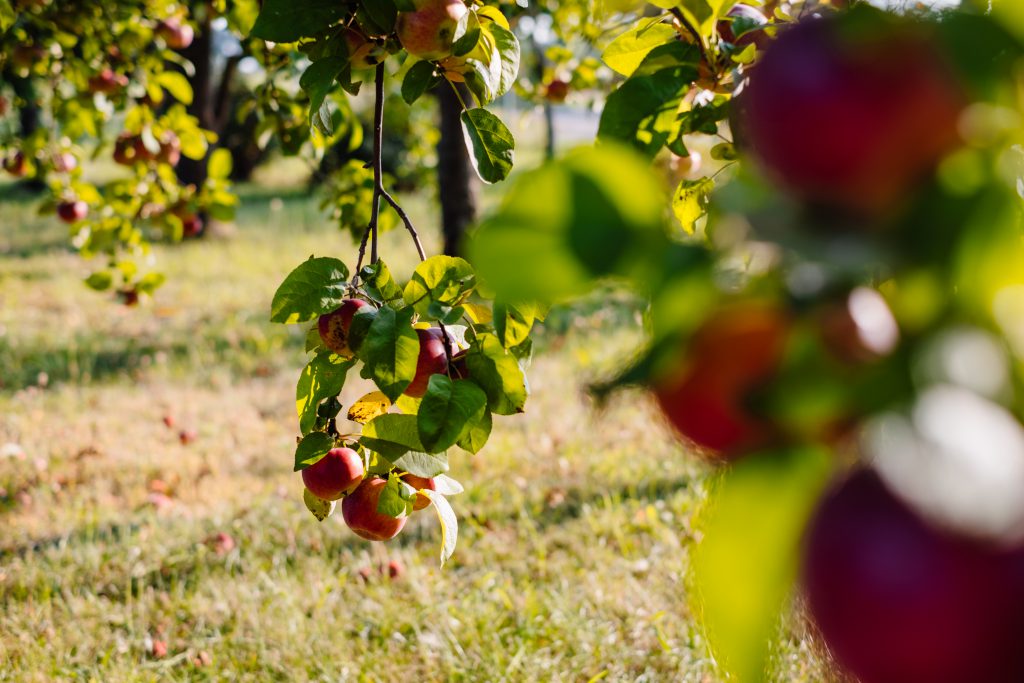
x: 556, y: 91
x: 750, y: 17
x: 859, y: 328
x: 65, y: 162
x: 72, y: 211
x: 359, y: 509
x: 428, y: 32
x: 192, y: 225
x: 395, y: 569
x: 177, y: 35
x: 432, y: 360
x: 170, y: 149
x: 420, y: 483
x: 899, y: 601
x: 334, y: 326
x: 336, y: 474
x: 107, y: 82
x: 850, y: 118
x: 16, y: 165
x: 734, y: 353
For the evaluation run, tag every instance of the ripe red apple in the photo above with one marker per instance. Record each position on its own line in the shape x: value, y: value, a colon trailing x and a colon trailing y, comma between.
x: 359, y: 509
x: 72, y: 211
x: 432, y: 360
x: 16, y: 165
x: 107, y: 82
x: 334, y: 326
x: 898, y: 600
x: 124, y: 150
x: 177, y: 35
x: 192, y: 225
x: 420, y: 483
x: 750, y: 17
x: 187, y: 436
x: 428, y: 32
x: 170, y: 149
x: 556, y: 91
x: 395, y: 569
x: 336, y: 474
x: 65, y: 162
x: 849, y: 118
x: 734, y: 353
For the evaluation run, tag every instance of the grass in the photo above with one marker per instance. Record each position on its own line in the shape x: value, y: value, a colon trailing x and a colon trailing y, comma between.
x: 575, y: 523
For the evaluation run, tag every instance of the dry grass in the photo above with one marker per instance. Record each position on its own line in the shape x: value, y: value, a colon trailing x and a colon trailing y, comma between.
x: 575, y: 525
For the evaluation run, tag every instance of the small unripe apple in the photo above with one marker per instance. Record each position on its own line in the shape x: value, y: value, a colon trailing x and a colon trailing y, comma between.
x: 336, y: 474
x: 556, y: 91
x: 16, y: 164
x: 898, y: 600
x: 432, y: 360
x: 334, y: 326
x: 428, y: 32
x: 420, y: 483
x: 359, y: 509
x: 850, y: 118
x: 733, y: 354
x: 751, y: 17
x: 72, y: 211
x: 177, y: 35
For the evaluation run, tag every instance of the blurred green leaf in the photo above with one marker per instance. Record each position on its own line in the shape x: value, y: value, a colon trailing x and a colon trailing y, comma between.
x: 498, y: 372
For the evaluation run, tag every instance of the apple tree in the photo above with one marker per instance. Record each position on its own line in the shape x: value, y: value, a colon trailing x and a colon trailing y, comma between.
x: 835, y: 305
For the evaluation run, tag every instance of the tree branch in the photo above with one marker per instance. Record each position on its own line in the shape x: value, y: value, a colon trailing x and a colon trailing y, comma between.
x: 678, y: 14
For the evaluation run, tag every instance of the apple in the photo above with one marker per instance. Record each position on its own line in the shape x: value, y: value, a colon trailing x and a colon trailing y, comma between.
x: 65, y: 162
x: 359, y: 509
x: 897, y: 600
x: 429, y: 31
x: 334, y: 326
x: 734, y: 353
x: 335, y: 475
x: 556, y: 91
x: 130, y: 297
x: 420, y: 483
x: 72, y: 211
x: 107, y: 82
x: 16, y: 164
x: 395, y: 569
x: 432, y: 360
x: 363, y: 53
x: 192, y: 225
x: 177, y: 35
x: 848, y: 118
x: 860, y: 327
x: 750, y: 17
x: 187, y: 436
x: 170, y: 149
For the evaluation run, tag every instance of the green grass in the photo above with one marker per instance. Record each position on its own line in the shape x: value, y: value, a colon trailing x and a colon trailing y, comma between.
x: 575, y: 523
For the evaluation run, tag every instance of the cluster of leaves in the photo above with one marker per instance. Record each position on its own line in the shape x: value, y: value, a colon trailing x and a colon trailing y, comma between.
x: 343, y: 40
x: 82, y: 67
x: 488, y: 347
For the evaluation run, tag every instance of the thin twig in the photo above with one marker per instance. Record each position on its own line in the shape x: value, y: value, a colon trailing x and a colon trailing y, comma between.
x: 678, y: 14
x: 408, y: 223
x: 378, y: 171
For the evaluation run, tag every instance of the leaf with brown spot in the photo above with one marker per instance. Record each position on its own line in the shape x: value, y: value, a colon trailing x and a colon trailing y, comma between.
x: 368, y: 407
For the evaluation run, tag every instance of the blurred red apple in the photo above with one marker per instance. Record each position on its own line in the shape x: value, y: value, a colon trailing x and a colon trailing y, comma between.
x: 432, y: 360
x: 72, y: 211
x: 429, y: 31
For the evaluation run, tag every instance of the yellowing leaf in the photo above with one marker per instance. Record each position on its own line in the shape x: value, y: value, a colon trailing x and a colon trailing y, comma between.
x: 481, y: 315
x: 449, y: 523
x: 320, y: 508
x: 368, y: 407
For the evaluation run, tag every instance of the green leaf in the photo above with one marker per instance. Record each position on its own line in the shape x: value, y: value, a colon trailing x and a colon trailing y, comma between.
x: 445, y: 280
x: 393, y: 500
x: 379, y: 283
x: 320, y: 508
x: 313, y: 447
x: 690, y: 201
x: 449, y: 524
x: 499, y: 373
x: 314, y: 288
x: 100, y: 280
x: 396, y: 438
x: 493, y: 144
x: 423, y: 464
x: 628, y: 50
x: 746, y: 563
x: 176, y: 84
x: 285, y: 21
x: 150, y: 282
x: 382, y: 12
x: 447, y: 412
x: 513, y: 322
x: 477, y: 433
x: 318, y: 80
x: 219, y: 167
x: 509, y: 53
x: 418, y: 80
x: 323, y: 377
x: 389, y: 351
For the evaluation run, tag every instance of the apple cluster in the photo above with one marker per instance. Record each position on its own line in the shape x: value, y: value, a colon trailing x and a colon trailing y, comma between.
x: 912, y: 563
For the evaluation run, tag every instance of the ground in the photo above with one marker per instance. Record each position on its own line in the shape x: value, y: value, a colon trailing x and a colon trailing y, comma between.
x: 126, y: 555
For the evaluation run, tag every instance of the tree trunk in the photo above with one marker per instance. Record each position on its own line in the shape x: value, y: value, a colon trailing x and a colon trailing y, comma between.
x: 457, y: 181
x: 200, y: 53
x: 549, y: 112
x: 28, y: 123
